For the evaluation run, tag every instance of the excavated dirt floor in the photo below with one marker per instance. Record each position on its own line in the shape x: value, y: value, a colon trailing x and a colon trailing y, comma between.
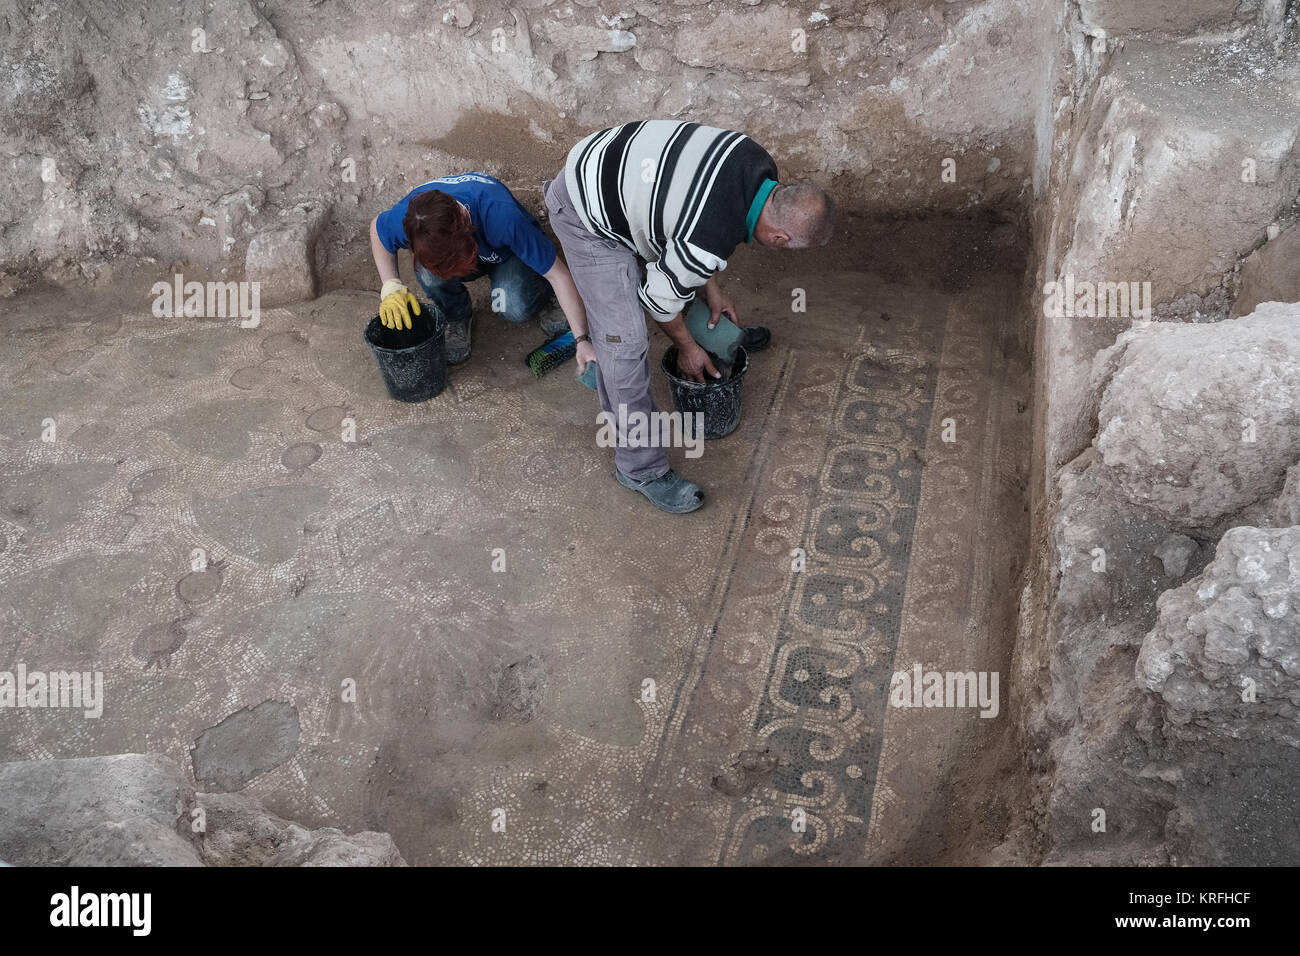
x: 524, y: 697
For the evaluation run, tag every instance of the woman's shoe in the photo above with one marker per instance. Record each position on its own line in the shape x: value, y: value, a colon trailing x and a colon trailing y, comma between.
x: 458, y: 339
x: 553, y: 321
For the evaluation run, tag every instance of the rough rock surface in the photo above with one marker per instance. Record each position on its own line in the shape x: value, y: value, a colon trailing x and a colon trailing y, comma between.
x: 239, y: 831
x: 124, y: 810
x: 1199, y: 421
x: 1270, y: 274
x: 1144, y: 181
x: 1162, y: 759
x: 1284, y: 511
x: 287, y: 258
x: 1134, y: 653
x: 1165, y: 162
x: 1107, y: 571
x: 1225, y: 654
x: 1176, y: 16
x: 1172, y: 192
x: 759, y: 39
x: 139, y: 810
x: 183, y: 130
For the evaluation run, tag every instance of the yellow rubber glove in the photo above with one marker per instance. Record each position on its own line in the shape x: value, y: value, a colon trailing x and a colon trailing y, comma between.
x: 394, y: 301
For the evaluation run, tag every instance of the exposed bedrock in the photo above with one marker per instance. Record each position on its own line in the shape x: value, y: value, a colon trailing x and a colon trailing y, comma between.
x: 227, y: 133
x: 1166, y: 481
x: 140, y: 810
x: 1169, y: 664
x: 1173, y: 162
x: 1224, y: 656
x: 1120, y: 17
x: 1199, y: 421
x: 1269, y: 274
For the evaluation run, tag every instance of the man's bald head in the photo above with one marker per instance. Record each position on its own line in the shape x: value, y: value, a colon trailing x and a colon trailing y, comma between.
x: 796, y: 216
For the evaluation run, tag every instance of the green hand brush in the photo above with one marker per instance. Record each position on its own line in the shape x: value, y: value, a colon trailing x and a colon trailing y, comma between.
x: 721, y: 340
x: 553, y: 354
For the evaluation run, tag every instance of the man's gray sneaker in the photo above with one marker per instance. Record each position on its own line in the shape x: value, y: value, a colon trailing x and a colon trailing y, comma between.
x: 669, y: 492
x: 458, y: 340
x: 553, y: 321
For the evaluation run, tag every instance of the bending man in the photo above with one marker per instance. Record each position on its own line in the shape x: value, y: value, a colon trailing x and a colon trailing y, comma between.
x: 648, y: 213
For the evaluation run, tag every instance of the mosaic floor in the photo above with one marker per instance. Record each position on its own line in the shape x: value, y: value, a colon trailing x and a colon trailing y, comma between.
x: 332, y: 619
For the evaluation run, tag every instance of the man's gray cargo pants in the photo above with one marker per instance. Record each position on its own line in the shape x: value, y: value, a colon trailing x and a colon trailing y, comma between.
x: 608, y: 277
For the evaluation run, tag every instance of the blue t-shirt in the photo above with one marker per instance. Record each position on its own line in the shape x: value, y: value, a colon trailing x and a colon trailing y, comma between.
x: 502, y: 227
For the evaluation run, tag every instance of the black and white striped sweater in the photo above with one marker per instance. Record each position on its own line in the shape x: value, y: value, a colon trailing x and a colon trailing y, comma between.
x: 680, y: 195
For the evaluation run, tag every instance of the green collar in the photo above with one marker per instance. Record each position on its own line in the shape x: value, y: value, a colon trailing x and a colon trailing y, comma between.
x: 756, y: 207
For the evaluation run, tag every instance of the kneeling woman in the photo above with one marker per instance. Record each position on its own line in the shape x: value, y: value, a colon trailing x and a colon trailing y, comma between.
x: 460, y: 228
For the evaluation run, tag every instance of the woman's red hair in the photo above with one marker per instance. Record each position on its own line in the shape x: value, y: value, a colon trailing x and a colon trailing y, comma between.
x: 441, y: 234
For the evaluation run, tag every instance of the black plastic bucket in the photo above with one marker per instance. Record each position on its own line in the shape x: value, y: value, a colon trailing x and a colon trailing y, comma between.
x: 718, y: 399
x: 413, y: 361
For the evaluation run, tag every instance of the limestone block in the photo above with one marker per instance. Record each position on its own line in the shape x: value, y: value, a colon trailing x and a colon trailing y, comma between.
x: 285, y: 258
x: 1198, y: 420
x: 95, y: 811
x: 1187, y: 155
x: 140, y: 810
x: 239, y: 831
x: 1224, y: 656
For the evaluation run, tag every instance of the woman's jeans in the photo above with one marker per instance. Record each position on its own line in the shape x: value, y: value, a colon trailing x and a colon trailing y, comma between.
x: 518, y: 293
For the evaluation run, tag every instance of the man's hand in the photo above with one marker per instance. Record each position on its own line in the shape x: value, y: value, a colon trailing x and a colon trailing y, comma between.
x: 585, y: 354
x: 394, y: 300
x: 693, y: 362
x: 718, y: 303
